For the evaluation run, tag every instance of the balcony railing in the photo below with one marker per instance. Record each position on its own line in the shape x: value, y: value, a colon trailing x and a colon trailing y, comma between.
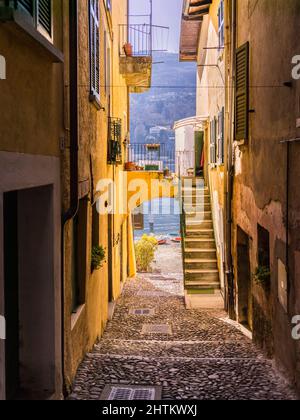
x: 141, y: 40
x: 150, y: 157
x: 114, y: 141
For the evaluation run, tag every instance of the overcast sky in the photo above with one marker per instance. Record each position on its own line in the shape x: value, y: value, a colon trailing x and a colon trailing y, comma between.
x: 165, y: 13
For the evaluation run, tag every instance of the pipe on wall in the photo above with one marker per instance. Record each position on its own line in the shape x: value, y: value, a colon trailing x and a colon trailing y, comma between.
x: 74, y: 136
x: 230, y: 298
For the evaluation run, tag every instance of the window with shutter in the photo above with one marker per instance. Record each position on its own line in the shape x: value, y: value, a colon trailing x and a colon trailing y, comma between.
x: 94, y: 50
x: 27, y: 5
x: 213, y: 138
x: 242, y: 93
x: 44, y: 16
x: 221, y: 31
x: 41, y: 12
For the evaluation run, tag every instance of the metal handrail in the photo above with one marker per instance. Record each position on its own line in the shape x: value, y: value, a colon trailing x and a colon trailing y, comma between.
x: 143, y: 38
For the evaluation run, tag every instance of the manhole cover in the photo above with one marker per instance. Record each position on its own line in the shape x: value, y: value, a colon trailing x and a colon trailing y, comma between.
x: 129, y: 393
x: 152, y: 294
x: 157, y: 329
x: 142, y: 312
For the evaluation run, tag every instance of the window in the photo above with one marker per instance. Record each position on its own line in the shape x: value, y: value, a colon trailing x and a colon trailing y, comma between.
x: 221, y: 25
x: 221, y: 122
x: 242, y: 93
x: 213, y: 141
x: 41, y: 13
x: 94, y: 51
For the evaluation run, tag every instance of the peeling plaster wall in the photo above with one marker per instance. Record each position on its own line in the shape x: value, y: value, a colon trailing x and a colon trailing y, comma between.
x: 260, y: 186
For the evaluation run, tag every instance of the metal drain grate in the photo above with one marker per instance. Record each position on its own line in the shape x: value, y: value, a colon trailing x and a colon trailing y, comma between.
x: 130, y: 393
x: 157, y: 329
x: 142, y: 312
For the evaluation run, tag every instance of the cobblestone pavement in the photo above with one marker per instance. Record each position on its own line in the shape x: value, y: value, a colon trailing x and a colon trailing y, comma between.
x: 203, y: 357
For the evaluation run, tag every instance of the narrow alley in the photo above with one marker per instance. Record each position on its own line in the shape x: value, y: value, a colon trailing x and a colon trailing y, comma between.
x: 188, y: 354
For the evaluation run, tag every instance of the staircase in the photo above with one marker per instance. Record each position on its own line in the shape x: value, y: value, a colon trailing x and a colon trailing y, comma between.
x: 201, y: 272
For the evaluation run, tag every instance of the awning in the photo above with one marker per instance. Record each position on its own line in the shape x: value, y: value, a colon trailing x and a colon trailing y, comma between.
x: 197, y: 122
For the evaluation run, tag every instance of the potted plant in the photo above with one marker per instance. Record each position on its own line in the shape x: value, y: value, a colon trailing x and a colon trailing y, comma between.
x: 98, y: 257
x: 262, y: 276
x: 145, y: 252
x: 128, y: 49
x: 130, y: 166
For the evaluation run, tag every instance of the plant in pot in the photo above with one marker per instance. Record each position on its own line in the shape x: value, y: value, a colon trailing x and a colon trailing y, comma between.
x: 262, y: 276
x: 128, y: 49
x: 145, y: 252
x: 98, y: 257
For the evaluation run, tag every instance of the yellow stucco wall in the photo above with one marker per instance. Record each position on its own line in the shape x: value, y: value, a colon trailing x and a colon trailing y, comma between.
x: 32, y: 92
x: 87, y: 325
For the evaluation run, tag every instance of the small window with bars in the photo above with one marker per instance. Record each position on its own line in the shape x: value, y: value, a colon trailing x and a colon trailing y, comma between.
x: 41, y: 12
x: 94, y: 23
x: 213, y: 142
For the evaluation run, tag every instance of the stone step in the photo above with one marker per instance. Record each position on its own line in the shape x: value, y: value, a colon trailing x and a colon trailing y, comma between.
x: 193, y: 216
x: 201, y: 264
x: 193, y: 182
x: 200, y: 243
x: 196, y: 200
x: 205, y: 224
x: 203, y: 286
x: 202, y: 275
x: 200, y: 233
x: 190, y: 208
x: 208, y: 254
x: 190, y: 189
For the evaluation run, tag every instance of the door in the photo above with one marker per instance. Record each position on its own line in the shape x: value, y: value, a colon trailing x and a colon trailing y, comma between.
x: 199, y: 143
x: 110, y: 258
x: 29, y: 294
x: 244, y: 280
x: 11, y: 292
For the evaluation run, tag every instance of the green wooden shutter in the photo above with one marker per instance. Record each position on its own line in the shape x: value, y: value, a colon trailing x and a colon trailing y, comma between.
x: 221, y: 123
x: 94, y: 49
x: 27, y: 5
x: 242, y: 93
x: 213, y: 141
x: 44, y: 16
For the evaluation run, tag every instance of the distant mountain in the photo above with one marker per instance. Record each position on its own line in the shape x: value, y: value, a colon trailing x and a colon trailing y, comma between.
x: 171, y: 98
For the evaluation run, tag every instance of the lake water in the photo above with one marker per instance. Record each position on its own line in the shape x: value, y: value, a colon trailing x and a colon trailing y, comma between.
x: 165, y: 214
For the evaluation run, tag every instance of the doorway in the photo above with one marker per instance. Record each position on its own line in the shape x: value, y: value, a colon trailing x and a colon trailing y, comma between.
x: 244, y: 280
x: 199, y: 144
x: 28, y: 222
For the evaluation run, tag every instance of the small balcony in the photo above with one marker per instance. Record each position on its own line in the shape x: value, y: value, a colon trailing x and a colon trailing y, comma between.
x: 115, y: 141
x: 150, y: 158
x: 137, y: 42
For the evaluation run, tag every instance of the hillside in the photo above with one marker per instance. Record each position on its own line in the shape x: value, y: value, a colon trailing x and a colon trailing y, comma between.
x: 171, y: 98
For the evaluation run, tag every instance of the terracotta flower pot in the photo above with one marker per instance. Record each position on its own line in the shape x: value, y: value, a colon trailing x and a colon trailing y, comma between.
x: 130, y: 166
x: 128, y: 49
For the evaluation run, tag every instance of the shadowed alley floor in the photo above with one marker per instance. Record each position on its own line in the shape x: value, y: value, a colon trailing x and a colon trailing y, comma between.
x: 198, y: 356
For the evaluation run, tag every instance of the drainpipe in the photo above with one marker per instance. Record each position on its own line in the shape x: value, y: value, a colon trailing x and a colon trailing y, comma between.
x: 74, y: 135
x: 230, y: 174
